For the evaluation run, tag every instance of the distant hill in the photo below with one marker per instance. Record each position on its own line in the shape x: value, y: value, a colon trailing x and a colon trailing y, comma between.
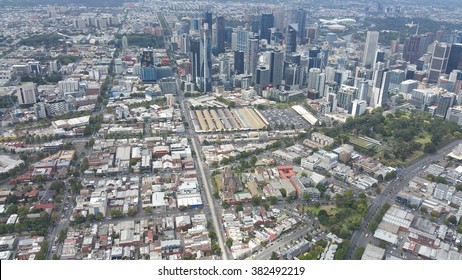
x: 89, y: 3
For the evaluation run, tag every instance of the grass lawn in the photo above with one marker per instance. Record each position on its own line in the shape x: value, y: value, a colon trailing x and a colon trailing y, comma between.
x: 331, y: 209
x: 218, y: 182
x: 424, y: 138
x: 365, y: 144
x: 360, y: 142
x: 354, y: 219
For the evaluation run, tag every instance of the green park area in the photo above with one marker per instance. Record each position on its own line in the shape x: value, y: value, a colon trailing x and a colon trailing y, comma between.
x: 341, y: 218
x: 403, y: 136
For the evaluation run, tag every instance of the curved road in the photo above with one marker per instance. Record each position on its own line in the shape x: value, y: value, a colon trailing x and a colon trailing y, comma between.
x: 358, y: 238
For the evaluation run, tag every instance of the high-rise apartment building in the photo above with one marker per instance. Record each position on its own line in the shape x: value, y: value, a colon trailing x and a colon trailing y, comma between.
x: 370, y: 49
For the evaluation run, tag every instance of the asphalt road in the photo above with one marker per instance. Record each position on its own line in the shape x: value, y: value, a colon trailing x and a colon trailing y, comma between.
x: 210, y: 203
x: 359, y: 238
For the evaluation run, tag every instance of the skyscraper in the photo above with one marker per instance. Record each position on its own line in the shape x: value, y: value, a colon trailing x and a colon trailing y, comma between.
x: 267, y: 22
x: 279, y: 19
x: 372, y: 42
x: 291, y: 39
x: 455, y: 58
x: 252, y: 57
x: 298, y: 17
x: 225, y: 69
x: 445, y: 101
x: 242, y: 40
x: 439, y: 61
x: 206, y: 62
x: 345, y: 96
x: 313, y: 78
x: 239, y: 62
x: 312, y: 33
x: 195, y: 57
x: 207, y: 18
x: 262, y: 78
x: 220, y: 25
x: 396, y: 78
x: 411, y: 49
x: 380, y: 89
x: 185, y: 43
x: 276, y: 67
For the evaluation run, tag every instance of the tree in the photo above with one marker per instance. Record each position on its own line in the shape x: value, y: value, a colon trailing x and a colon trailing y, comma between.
x: 116, y: 214
x: 297, y: 160
x: 429, y: 148
x: 91, y: 218
x: 84, y: 165
x: 273, y: 200
x: 283, y: 192
x: 256, y: 200
x: 452, y: 220
x: 99, y: 216
x: 274, y: 256
x: 79, y: 219
x: 91, y: 142
x: 229, y: 242
x: 441, y: 180
x: 390, y: 176
x: 132, y: 212
x: 239, y: 207
x: 359, y: 251
x: 12, y: 209
x: 57, y: 185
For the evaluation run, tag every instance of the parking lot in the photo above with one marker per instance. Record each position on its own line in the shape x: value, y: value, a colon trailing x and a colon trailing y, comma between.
x: 284, y: 119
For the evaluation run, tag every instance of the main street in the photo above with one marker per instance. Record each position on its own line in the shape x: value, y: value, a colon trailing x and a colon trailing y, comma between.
x: 205, y: 175
x: 212, y: 206
x: 402, y: 179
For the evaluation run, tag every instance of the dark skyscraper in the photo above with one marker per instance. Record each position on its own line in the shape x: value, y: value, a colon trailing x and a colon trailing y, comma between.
x: 255, y: 26
x: 276, y: 66
x: 262, y: 79
x: 298, y: 17
x: 411, y: 49
x: 379, y: 56
x: 220, y: 24
x: 455, y: 58
x: 195, y: 57
x: 302, y: 25
x: 291, y: 39
x: 267, y: 22
x: 239, y: 62
x: 207, y: 19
